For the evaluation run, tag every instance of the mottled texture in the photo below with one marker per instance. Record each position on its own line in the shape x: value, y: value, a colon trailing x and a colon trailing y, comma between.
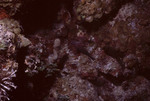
x: 74, y: 88
x: 89, y: 10
x: 107, y: 59
x: 120, y: 51
x: 7, y: 72
x: 11, y: 6
x: 136, y: 89
x: 10, y: 40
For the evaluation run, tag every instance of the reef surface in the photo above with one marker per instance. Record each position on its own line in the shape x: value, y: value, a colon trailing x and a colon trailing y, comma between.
x: 75, y: 50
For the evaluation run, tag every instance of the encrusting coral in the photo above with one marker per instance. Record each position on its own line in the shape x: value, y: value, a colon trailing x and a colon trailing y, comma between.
x: 10, y: 40
x: 89, y: 10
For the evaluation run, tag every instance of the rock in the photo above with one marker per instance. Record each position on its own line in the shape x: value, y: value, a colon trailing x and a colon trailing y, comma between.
x: 8, y: 49
x: 89, y: 10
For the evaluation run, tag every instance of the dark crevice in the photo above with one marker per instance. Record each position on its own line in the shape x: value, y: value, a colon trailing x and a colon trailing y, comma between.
x: 116, y: 54
x: 145, y: 72
x: 116, y: 80
x: 40, y: 14
x: 21, y: 79
x: 34, y: 88
x: 42, y: 84
x: 98, y: 81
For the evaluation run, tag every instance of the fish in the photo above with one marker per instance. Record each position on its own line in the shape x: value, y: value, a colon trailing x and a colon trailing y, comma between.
x: 81, y: 49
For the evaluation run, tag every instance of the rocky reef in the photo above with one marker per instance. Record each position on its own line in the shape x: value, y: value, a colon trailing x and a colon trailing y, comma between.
x: 11, y: 6
x: 75, y: 50
x: 10, y: 40
x: 89, y: 10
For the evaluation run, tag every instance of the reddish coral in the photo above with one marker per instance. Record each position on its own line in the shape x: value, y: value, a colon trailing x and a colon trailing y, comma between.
x: 3, y: 14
